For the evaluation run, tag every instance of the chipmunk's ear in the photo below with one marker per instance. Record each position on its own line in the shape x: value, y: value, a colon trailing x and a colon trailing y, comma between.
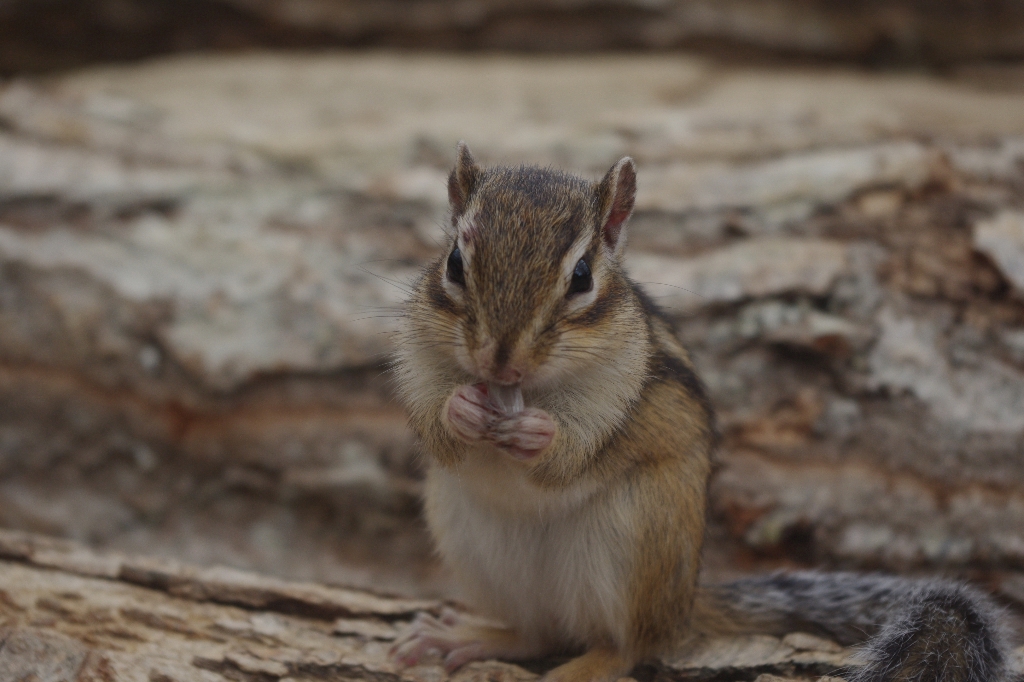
x: 462, y: 180
x: 616, y: 194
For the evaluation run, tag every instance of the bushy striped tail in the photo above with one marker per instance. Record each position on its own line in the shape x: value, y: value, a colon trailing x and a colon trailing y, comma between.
x: 908, y: 630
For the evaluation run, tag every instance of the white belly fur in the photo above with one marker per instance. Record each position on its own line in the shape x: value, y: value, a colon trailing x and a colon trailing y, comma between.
x: 553, y: 564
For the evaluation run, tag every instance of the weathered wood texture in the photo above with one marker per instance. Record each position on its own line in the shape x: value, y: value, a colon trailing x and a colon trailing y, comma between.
x: 63, y: 33
x: 200, y: 259
x: 70, y: 615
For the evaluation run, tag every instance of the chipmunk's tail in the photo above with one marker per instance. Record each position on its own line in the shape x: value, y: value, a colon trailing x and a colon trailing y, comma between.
x: 909, y: 630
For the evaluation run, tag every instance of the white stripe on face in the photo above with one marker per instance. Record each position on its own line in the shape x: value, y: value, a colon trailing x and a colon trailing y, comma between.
x: 465, y: 229
x: 572, y: 257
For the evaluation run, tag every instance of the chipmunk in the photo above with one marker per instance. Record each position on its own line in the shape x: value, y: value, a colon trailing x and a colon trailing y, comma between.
x: 570, y: 442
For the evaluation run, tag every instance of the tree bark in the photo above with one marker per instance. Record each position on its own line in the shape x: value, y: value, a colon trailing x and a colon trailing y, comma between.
x: 68, y: 614
x: 202, y: 262
x: 63, y: 34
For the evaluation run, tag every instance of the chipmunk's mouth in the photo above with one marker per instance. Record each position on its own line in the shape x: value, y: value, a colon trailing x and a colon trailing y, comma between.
x: 507, y: 397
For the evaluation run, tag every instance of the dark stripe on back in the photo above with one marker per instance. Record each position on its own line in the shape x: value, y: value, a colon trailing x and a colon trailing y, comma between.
x: 651, y: 308
x: 668, y: 367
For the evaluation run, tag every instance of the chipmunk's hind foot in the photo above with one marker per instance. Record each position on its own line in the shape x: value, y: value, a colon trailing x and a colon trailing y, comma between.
x: 597, y: 665
x: 947, y: 633
x: 456, y: 640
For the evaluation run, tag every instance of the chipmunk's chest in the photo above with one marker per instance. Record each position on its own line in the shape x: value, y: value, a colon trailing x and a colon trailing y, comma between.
x: 553, y: 564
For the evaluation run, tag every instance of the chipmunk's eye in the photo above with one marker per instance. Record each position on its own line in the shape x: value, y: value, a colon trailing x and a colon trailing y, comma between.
x: 581, y: 279
x: 455, y: 273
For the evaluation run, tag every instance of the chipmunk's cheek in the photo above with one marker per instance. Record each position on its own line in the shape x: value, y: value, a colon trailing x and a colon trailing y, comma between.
x: 462, y: 354
x: 546, y: 373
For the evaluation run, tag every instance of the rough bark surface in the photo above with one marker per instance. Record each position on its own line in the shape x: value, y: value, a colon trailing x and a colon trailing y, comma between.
x: 48, y: 34
x: 200, y: 259
x: 70, y: 615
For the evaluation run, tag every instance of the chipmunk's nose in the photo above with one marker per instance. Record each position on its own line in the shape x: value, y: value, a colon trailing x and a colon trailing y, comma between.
x: 496, y: 361
x: 508, y: 375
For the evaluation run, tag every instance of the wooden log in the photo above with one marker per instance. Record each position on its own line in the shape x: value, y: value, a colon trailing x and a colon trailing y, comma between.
x: 68, y: 614
x: 200, y: 260
x: 40, y: 37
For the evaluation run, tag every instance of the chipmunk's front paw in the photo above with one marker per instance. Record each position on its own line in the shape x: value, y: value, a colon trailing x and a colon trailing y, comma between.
x: 474, y: 415
x: 524, y: 435
x: 471, y: 412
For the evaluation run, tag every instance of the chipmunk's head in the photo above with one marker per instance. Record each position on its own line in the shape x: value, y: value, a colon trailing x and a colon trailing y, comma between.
x: 531, y: 283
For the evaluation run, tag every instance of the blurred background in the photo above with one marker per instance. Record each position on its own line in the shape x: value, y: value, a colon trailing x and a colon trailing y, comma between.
x: 205, y: 206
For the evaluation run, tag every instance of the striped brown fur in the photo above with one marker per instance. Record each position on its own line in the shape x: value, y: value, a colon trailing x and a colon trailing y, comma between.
x: 578, y: 520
